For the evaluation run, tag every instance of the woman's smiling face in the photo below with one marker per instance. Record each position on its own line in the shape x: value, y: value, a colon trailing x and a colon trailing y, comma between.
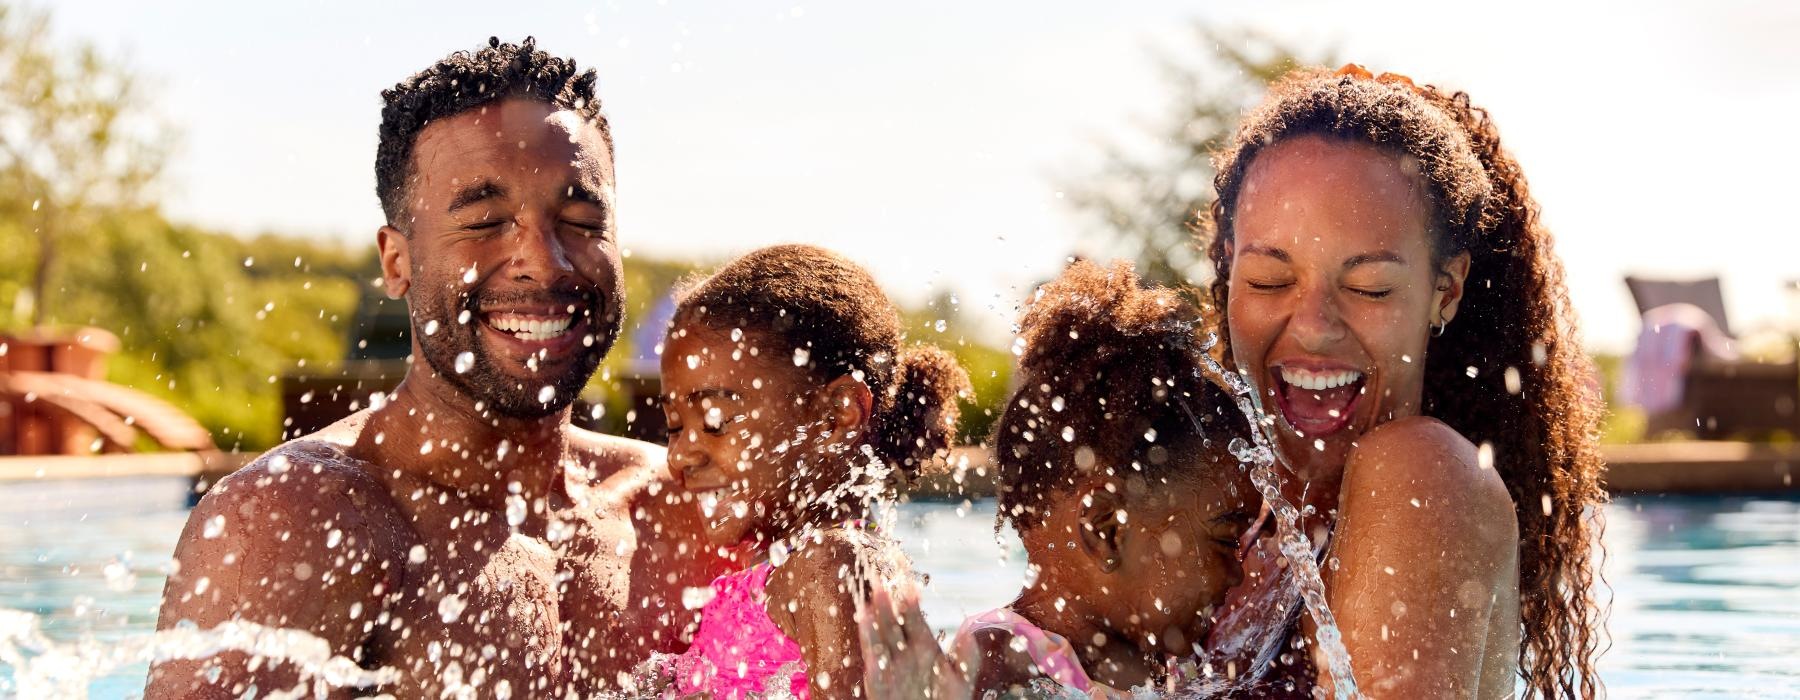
x: 1333, y: 291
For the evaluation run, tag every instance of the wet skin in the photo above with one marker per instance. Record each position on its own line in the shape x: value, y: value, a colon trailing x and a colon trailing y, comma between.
x: 1131, y: 593
x: 761, y: 445
x: 464, y: 534
x: 1333, y: 282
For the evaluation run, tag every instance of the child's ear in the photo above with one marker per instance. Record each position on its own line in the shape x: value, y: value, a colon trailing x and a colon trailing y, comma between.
x: 851, y: 404
x: 1103, y: 523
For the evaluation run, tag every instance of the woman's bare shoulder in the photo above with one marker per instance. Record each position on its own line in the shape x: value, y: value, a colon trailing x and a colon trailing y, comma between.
x: 1422, y: 463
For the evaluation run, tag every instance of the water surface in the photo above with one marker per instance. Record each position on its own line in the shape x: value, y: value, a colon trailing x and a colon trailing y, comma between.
x: 1706, y: 590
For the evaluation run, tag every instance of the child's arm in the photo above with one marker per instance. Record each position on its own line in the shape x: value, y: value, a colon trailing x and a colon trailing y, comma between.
x: 810, y: 600
x: 997, y: 666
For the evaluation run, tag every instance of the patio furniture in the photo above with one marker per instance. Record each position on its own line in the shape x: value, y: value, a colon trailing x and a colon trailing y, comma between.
x: 1720, y: 396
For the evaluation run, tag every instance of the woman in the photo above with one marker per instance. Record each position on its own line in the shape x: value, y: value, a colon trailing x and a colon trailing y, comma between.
x: 1386, y: 287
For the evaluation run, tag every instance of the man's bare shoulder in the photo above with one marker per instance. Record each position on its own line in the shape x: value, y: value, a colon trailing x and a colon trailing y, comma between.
x: 304, y: 537
x: 625, y: 467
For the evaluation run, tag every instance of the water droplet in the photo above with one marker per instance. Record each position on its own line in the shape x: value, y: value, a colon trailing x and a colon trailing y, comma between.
x: 450, y: 607
x: 417, y: 554
x: 737, y: 334
x: 463, y: 318
x: 515, y: 510
x: 279, y: 464
x: 693, y: 361
x: 469, y: 275
x: 801, y: 357
x: 1056, y: 404
x: 939, y: 326
x: 464, y: 361
x: 1319, y: 445
x: 214, y: 527
x: 431, y: 327
x: 546, y: 394
x: 119, y: 576
x: 1484, y: 455
x: 778, y: 554
x: 1068, y: 434
x: 696, y: 597
x: 333, y: 538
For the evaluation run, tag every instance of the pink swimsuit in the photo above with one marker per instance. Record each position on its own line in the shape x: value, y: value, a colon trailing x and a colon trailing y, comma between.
x: 1054, y: 656
x: 738, y: 652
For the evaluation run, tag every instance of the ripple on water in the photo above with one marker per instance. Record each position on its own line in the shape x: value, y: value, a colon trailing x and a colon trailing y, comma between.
x: 1707, y: 589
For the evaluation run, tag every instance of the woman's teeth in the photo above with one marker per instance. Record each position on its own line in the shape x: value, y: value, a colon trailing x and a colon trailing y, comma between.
x: 527, y: 328
x: 1318, y: 381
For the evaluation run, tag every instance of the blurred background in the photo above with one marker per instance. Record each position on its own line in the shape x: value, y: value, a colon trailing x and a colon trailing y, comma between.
x: 196, y: 177
x: 187, y: 220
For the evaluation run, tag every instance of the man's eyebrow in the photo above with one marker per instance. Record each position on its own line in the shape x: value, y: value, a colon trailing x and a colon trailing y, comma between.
x: 478, y: 191
x: 1379, y: 256
x: 1275, y: 253
x: 582, y: 192
x: 711, y: 391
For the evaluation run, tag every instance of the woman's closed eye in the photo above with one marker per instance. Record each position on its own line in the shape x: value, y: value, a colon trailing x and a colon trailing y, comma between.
x: 1371, y: 293
x: 1267, y: 285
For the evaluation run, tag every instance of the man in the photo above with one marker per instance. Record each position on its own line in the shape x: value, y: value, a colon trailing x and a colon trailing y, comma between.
x: 461, y: 532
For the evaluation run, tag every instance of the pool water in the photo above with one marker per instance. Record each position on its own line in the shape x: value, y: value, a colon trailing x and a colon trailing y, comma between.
x: 1706, y: 591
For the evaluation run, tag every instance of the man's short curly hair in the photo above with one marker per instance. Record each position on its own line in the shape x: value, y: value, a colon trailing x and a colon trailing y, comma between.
x: 466, y: 80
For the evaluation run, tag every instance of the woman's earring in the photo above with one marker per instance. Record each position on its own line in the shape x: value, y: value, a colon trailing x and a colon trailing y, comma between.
x: 1437, y: 329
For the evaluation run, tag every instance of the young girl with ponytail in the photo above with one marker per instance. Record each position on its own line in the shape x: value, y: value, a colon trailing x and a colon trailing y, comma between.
x: 792, y: 408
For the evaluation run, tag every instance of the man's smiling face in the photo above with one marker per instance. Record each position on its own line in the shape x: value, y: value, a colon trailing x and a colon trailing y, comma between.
x: 508, y: 257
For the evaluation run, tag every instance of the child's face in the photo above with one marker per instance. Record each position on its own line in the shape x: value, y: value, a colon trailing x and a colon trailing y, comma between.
x: 1155, y: 578
x: 746, y: 435
x: 1178, y: 557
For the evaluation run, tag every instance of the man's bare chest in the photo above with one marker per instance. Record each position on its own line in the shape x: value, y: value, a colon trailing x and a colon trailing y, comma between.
x: 480, y: 605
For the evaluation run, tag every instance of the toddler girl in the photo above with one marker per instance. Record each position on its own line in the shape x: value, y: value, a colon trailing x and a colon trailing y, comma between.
x: 1114, y: 471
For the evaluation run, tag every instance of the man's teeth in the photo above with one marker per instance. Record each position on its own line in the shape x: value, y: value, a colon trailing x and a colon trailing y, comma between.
x: 527, y: 328
x: 1319, y: 381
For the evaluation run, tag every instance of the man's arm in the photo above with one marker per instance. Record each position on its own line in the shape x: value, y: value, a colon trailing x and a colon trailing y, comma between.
x: 286, y: 542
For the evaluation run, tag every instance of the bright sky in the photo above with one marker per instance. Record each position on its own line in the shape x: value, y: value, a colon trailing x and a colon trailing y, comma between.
x: 925, y: 138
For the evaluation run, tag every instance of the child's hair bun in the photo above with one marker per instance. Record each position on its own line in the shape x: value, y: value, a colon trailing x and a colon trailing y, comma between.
x: 920, y: 423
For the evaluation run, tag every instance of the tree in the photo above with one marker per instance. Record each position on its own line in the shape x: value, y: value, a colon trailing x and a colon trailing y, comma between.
x: 76, y: 140
x: 1145, y: 200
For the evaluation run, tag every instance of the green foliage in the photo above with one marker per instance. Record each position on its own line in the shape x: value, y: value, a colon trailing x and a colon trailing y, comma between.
x: 1145, y: 199
x: 77, y: 145
x: 942, y: 323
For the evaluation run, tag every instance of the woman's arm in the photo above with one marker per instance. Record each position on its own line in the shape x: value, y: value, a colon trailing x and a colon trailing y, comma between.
x: 1427, y: 548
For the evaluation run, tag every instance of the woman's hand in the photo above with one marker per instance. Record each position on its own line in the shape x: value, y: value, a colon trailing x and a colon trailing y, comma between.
x: 901, y: 657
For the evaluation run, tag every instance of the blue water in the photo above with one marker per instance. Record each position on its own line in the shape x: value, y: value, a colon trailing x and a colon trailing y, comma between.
x: 1706, y: 591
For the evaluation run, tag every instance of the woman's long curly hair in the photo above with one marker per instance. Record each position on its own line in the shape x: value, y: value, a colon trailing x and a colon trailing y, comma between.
x: 1510, y: 372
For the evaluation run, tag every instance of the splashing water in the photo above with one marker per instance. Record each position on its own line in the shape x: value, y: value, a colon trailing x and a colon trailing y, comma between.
x: 46, y: 669
x: 1296, y: 548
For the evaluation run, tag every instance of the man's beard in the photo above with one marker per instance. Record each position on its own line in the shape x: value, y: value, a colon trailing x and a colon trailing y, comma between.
x: 482, y: 379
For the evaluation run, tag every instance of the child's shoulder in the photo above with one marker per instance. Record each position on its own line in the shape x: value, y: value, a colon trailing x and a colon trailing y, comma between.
x: 834, y: 562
